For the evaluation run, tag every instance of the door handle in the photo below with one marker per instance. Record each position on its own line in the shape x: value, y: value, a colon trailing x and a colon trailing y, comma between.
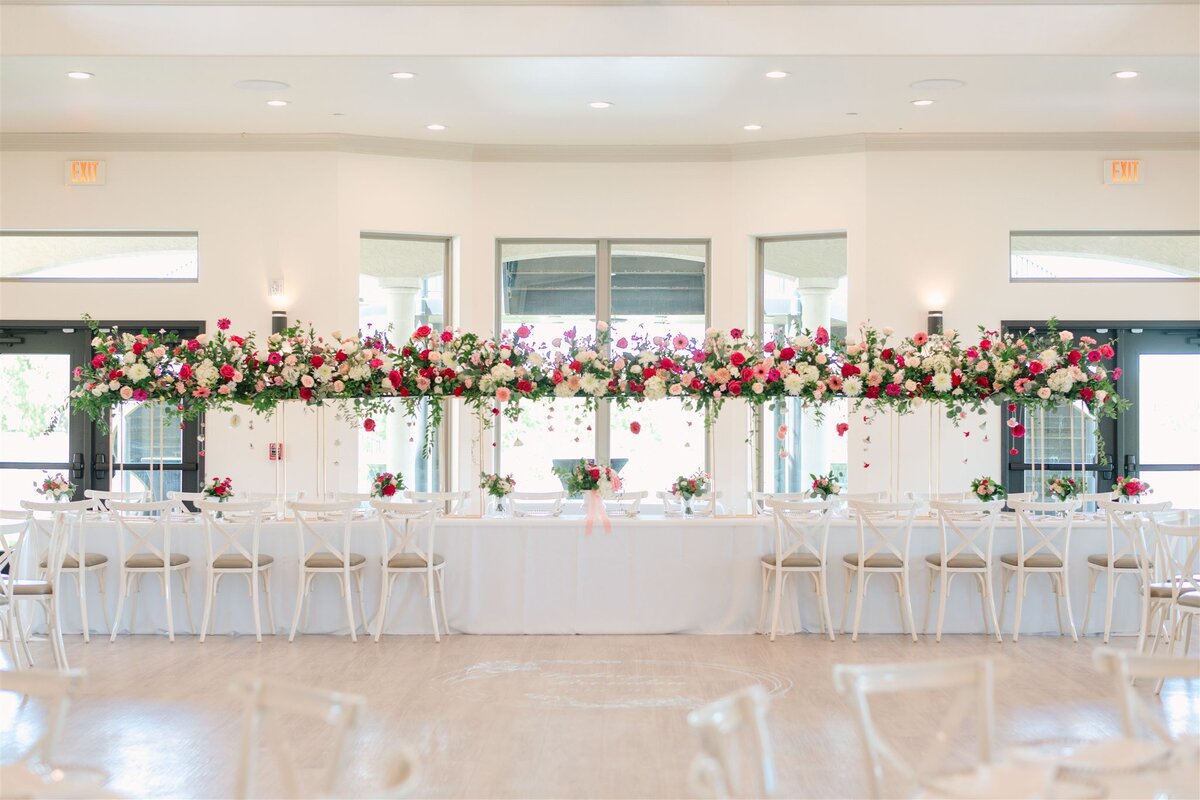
x: 99, y: 466
x: 77, y: 466
x: 1130, y: 464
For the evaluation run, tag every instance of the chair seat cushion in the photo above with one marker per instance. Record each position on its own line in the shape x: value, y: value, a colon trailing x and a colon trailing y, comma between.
x: 958, y: 562
x: 1123, y: 562
x: 1190, y: 599
x: 412, y: 561
x: 795, y: 561
x: 32, y: 587
x: 238, y: 561
x: 330, y: 561
x: 151, y: 561
x: 1160, y: 590
x: 880, y: 561
x: 1038, y: 561
x: 71, y: 562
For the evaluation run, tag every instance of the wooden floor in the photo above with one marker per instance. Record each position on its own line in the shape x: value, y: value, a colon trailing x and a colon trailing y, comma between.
x: 538, y: 716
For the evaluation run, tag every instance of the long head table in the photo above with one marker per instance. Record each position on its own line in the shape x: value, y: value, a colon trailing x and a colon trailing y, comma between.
x: 545, y: 576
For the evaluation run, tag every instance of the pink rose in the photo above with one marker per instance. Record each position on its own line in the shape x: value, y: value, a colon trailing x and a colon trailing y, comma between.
x: 503, y: 394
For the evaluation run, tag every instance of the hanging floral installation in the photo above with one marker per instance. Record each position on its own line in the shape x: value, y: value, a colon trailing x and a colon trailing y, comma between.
x: 368, y: 374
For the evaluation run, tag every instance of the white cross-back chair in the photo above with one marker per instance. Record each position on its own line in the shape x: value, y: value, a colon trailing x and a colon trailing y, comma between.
x: 801, y: 546
x: 884, y: 536
x: 406, y: 542
x: 77, y: 563
x: 67, y: 520
x: 278, y: 501
x: 1126, y: 555
x: 735, y: 758
x: 626, y: 504
x: 1098, y: 499
x: 144, y: 548
x: 329, y: 554
x: 101, y: 498
x: 1125, y: 668
x: 362, y: 498
x: 967, y: 529
x: 180, y: 498
x: 1020, y: 497
x: 233, y: 533
x: 759, y: 504
x: 537, y: 504
x: 446, y: 503
x: 1158, y: 595
x: 1043, y: 545
x: 14, y: 532
x: 703, y: 505
x: 1179, y: 546
x: 270, y: 709
x: 56, y: 690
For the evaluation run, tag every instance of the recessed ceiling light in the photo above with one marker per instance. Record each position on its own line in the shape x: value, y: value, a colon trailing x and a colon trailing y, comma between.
x: 404, y: 76
x: 79, y: 76
x: 1125, y: 73
x: 752, y: 127
x: 277, y: 103
x: 259, y: 85
x: 777, y: 73
x: 936, y: 84
x: 851, y: 113
x: 600, y: 104
x: 436, y: 127
x: 922, y: 102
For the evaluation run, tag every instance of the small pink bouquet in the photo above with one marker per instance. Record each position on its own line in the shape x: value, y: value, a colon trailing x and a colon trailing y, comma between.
x: 1130, y: 487
x: 55, y: 487
x: 386, y: 485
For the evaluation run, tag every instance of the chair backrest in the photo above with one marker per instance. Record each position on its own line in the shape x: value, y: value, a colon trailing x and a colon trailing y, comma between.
x: 14, y: 532
x: 102, y: 497
x: 446, y: 502
x: 801, y: 527
x: 759, y: 504
x: 400, y: 527
x: 56, y: 689
x: 868, y: 497
x: 267, y: 705
x: 1127, y: 529
x: 1020, y: 497
x: 339, y: 512
x: 537, y: 504
x: 735, y: 758
x: 228, y: 523
x: 884, y: 529
x: 357, y: 497
x: 147, y: 526
x: 1125, y: 667
x: 1088, y: 499
x: 627, y: 503
x: 1179, y: 547
x: 967, y: 527
x: 1044, y: 529
x: 66, y: 526
x: 972, y: 681
x: 185, y: 497
x: 703, y: 505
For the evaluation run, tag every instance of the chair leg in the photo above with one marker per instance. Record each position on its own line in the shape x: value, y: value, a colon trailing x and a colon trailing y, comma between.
x: 437, y: 636
x: 385, y: 592
x: 906, y: 597
x: 930, y: 574
x: 864, y: 579
x: 165, y: 579
x: 1087, y: 608
x: 1054, y: 587
x: 849, y: 576
x: 825, y: 605
x: 1111, y: 592
x: 991, y: 595
x: 347, y: 590
x: 308, y: 587
x: 209, y: 596
x: 1066, y: 593
x: 943, y: 590
x: 101, y: 581
x: 359, y: 578
x: 185, y: 579
x: 776, y: 602
x: 441, y: 587
x: 54, y: 619
x: 81, y: 585
x: 301, y: 585
x: 266, y: 581
x: 123, y: 591
x: 1004, y: 584
x: 1022, y: 580
x: 1144, y: 621
x: 979, y: 586
x: 256, y: 606
x: 816, y: 579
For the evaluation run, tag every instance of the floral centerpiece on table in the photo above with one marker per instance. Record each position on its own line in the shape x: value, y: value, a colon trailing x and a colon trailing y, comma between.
x: 1062, y: 488
x: 985, y: 489
x: 589, y: 476
x: 824, y: 486
x: 219, y: 489
x: 1128, y: 486
x: 387, y: 484
x: 498, y: 487
x: 55, y: 487
x: 689, y: 487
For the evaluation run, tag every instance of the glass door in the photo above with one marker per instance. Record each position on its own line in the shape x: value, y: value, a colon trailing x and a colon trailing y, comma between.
x: 38, y: 433
x: 1159, y: 440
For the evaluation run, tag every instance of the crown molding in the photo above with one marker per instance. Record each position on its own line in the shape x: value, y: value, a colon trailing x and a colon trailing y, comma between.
x: 507, y: 153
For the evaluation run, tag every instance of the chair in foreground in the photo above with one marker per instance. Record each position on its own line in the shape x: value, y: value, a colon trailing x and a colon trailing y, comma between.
x: 1125, y: 668
x: 67, y: 520
x: 267, y: 706
x: 801, y: 545
x: 14, y: 529
x: 967, y: 529
x: 406, y: 552
x: 326, y: 557
x: 1179, y: 546
x: 1043, y: 544
x: 182, y: 498
x: 735, y: 758
x: 884, y: 535
x: 971, y: 681
x: 57, y: 690
x: 76, y: 561
x: 147, y: 527
x: 1126, y: 554
x: 233, y: 531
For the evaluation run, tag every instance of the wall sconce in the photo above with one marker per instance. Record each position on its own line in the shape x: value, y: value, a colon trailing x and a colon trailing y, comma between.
x: 279, y: 321
x: 935, y: 323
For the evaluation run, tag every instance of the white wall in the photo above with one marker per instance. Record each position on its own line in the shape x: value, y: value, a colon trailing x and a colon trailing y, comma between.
x: 918, y: 223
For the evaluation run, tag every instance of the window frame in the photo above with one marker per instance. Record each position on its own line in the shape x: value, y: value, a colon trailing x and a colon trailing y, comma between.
x: 602, y: 425
x: 109, y: 232
x: 1012, y: 279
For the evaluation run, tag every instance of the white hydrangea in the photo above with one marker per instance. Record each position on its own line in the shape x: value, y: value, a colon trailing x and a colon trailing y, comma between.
x: 1060, y: 381
x: 656, y: 388
x: 138, y: 372
x: 807, y: 374
x: 793, y: 384
x: 503, y: 373
x: 1048, y: 357
x: 206, y: 373
x: 563, y: 390
x: 1005, y: 370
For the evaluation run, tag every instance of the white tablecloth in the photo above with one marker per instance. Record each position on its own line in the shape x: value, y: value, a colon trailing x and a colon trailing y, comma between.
x: 545, y: 576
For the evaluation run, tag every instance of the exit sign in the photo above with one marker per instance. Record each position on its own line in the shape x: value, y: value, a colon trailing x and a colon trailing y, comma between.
x: 1123, y: 171
x: 85, y: 173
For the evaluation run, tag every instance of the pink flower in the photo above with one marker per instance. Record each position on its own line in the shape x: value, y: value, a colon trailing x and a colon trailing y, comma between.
x: 821, y: 336
x: 447, y: 336
x: 1116, y: 373
x: 920, y: 338
x: 1018, y: 430
x: 635, y: 427
x: 842, y: 427
x: 223, y: 323
x: 274, y: 359
x: 735, y: 333
x: 368, y: 424
x: 893, y: 389
x: 680, y: 342
x: 503, y: 394
x: 523, y: 331
x: 140, y: 395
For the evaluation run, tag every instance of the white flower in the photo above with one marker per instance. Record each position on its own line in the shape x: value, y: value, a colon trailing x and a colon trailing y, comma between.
x: 910, y: 386
x: 853, y: 386
x: 1048, y: 357
x: 793, y: 384
x: 138, y: 372
x: 1060, y: 381
x: 592, y: 385
x: 981, y: 366
x: 802, y: 342
x: 888, y: 331
x: 656, y: 388
x: 563, y: 390
x: 807, y: 374
x: 1005, y: 370
x: 912, y: 361
x: 206, y: 373
x: 942, y: 382
x: 675, y: 390
x: 1065, y: 336
x: 601, y: 326
x: 129, y: 357
x: 1044, y: 393
x: 503, y: 373
x: 324, y: 373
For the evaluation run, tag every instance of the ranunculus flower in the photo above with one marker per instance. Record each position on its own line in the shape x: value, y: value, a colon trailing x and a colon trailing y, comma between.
x: 1093, y: 356
x: 1086, y: 394
x: 1018, y: 431
x: 422, y: 332
x: 98, y: 361
x: 185, y: 372
x: 140, y: 395
x: 447, y: 336
x: 842, y: 427
x: 223, y: 323
x: 194, y: 344
x: 985, y: 344
x: 887, y: 353
x: 737, y: 358
x: 1074, y: 357
x: 368, y: 424
x: 635, y: 427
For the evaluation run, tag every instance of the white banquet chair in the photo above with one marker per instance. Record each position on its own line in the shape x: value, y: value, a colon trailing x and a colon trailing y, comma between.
x: 328, y: 555
x: 67, y: 520
x: 884, y: 536
x: 967, y: 529
x: 101, y: 498
x: 1126, y: 668
x: 1046, y: 529
x: 147, y: 527
x: 180, y: 498
x: 801, y: 546
x: 970, y: 681
x: 627, y: 504
x: 278, y: 501
x: 78, y: 563
x: 537, y: 504
x: 14, y: 532
x: 446, y: 503
x: 269, y: 709
x: 406, y: 542
x: 703, y: 505
x: 1097, y: 499
x: 233, y: 533
x: 1020, y: 497
x: 56, y: 689
x: 1179, y: 544
x: 735, y: 758
x: 759, y: 505
x: 1126, y: 554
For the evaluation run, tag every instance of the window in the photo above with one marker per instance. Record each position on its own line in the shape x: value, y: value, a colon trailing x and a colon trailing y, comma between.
x: 802, y: 285
x: 403, y: 282
x: 658, y: 287
x: 1104, y: 256
x: 134, y: 256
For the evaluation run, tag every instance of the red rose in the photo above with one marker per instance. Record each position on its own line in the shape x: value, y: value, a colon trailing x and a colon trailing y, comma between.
x: 339, y: 356
x: 368, y: 424
x: 185, y: 372
x: 595, y: 473
x: 666, y: 364
x: 735, y: 333
x: 747, y: 374
x: 316, y: 361
x: 556, y: 377
x: 849, y: 369
x: 524, y: 386
x: 98, y: 361
x: 1107, y: 351
x: 769, y: 347
x: 872, y: 392
x: 458, y: 391
x: 736, y: 358
x: 887, y: 354
x: 113, y: 374
x: 1035, y: 367
x: 305, y: 393
x: 985, y: 344
x: 227, y: 371
x: 1086, y: 394
x: 1074, y: 357
x: 649, y: 372
x: 388, y: 490
x: 697, y: 384
x: 576, y: 366
x: 422, y: 332
x: 787, y: 353
x: 1093, y: 356
x: 138, y: 347
x: 635, y: 427
x: 735, y: 388
x: 395, y: 378
x: 404, y: 392
x: 1018, y: 430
